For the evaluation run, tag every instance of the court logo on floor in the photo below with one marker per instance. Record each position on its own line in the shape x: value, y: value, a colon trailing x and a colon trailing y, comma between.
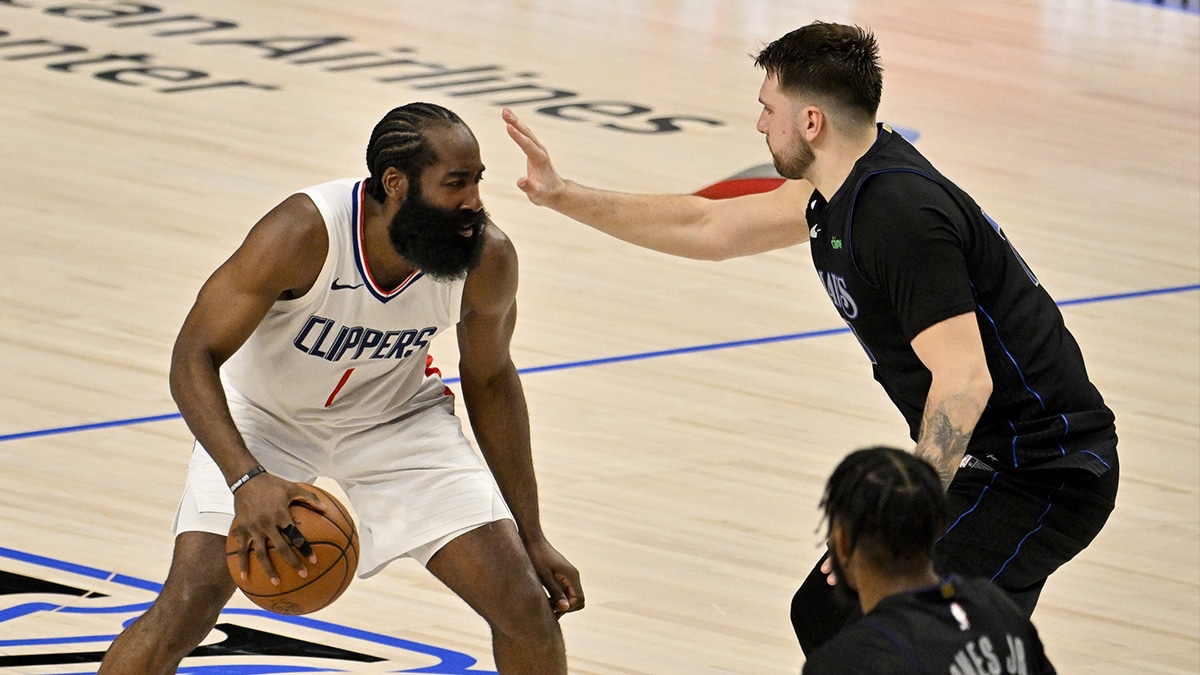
x: 58, y: 617
x: 764, y: 178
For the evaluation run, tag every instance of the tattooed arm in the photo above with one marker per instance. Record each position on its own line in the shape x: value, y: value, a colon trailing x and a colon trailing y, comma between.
x: 953, y: 351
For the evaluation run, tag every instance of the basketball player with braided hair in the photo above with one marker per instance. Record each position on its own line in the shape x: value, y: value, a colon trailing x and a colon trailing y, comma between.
x: 963, y: 337
x: 306, y: 355
x: 885, y: 509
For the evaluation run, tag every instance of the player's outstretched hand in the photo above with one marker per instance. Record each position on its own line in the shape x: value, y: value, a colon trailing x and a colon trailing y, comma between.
x: 559, y: 576
x: 262, y: 519
x: 541, y: 182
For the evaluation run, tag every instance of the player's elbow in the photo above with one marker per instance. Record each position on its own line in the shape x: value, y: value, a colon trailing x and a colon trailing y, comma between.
x: 491, y: 378
x: 180, y: 376
x: 969, y: 387
x: 189, y: 361
x: 713, y: 254
x: 723, y: 238
x: 716, y: 244
x: 980, y: 384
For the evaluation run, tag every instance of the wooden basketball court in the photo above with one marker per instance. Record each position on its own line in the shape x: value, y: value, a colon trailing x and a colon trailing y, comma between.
x: 685, y: 415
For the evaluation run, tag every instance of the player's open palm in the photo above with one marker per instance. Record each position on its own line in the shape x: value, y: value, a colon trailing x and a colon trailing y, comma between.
x: 541, y: 181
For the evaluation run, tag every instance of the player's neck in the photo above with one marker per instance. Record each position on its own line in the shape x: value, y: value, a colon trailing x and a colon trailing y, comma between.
x: 837, y: 160
x: 388, y: 269
x: 876, y: 585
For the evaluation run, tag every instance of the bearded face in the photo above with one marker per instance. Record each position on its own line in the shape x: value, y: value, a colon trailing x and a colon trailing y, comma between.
x: 444, y: 243
x: 782, y: 122
x: 795, y: 159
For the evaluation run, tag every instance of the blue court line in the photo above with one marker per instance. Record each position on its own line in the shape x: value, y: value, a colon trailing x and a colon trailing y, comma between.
x: 615, y: 359
x: 1191, y: 6
x: 1132, y: 294
x: 81, y: 570
x: 90, y: 427
x: 450, y: 662
x: 672, y: 352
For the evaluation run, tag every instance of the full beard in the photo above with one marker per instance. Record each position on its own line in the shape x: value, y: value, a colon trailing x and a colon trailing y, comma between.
x: 431, y: 238
x: 796, y: 162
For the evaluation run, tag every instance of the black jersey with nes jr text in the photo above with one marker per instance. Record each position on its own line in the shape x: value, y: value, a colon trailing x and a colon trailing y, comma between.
x: 961, y: 626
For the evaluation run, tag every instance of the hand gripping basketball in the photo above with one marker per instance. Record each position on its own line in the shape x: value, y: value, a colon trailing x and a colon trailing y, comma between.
x: 330, y: 536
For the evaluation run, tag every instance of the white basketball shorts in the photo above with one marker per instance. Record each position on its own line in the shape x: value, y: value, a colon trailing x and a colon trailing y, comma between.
x: 414, y: 484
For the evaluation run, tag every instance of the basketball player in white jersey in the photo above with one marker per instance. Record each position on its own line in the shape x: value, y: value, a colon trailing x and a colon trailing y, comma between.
x: 306, y: 355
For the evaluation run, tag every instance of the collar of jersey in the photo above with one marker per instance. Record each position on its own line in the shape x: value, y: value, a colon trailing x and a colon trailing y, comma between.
x: 360, y: 254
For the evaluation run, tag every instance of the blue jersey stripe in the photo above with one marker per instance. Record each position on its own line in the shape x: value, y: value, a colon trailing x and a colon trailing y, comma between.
x: 1012, y: 359
x: 1049, y: 504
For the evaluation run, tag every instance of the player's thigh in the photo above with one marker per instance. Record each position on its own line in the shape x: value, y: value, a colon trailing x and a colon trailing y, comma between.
x: 413, y: 483
x: 1016, y: 528
x: 489, y: 569
x: 199, y: 577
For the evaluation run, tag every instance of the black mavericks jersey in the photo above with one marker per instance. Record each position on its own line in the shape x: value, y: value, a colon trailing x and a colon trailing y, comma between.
x: 900, y: 248
x: 959, y: 627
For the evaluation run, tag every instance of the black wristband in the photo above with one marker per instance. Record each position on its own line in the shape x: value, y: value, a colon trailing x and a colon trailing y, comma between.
x: 246, y: 477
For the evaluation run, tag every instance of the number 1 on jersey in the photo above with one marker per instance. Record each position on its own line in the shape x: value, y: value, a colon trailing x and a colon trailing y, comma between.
x: 341, y: 383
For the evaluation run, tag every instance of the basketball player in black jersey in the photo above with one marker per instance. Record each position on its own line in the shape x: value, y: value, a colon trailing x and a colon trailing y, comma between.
x: 885, y: 508
x: 962, y: 336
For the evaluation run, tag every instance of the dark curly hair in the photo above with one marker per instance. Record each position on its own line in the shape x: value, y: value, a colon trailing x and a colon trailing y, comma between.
x: 888, y: 502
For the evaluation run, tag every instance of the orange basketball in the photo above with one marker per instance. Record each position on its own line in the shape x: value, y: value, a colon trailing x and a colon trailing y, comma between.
x: 334, y: 540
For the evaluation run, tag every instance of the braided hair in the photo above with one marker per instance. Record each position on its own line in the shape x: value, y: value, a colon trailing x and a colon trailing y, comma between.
x: 398, y: 140
x: 888, y: 501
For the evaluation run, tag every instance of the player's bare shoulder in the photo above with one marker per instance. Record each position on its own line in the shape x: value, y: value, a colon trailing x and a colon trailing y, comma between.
x: 295, y: 225
x: 492, y: 285
x: 787, y: 205
x: 288, y: 245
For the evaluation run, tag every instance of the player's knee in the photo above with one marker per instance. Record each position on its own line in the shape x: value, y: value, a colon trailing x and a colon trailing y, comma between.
x: 192, y: 604
x: 528, y: 618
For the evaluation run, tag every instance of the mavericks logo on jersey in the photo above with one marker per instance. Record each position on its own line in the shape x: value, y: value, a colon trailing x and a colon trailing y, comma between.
x: 323, y: 338
x: 835, y: 286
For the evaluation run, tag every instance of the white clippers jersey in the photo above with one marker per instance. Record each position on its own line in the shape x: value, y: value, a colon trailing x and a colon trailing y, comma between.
x: 348, y: 353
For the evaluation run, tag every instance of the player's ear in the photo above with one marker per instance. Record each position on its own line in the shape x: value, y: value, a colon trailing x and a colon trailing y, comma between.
x: 812, y: 121
x: 839, y: 541
x: 395, y: 183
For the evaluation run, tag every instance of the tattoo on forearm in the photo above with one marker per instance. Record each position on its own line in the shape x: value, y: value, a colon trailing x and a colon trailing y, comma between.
x: 942, y: 443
